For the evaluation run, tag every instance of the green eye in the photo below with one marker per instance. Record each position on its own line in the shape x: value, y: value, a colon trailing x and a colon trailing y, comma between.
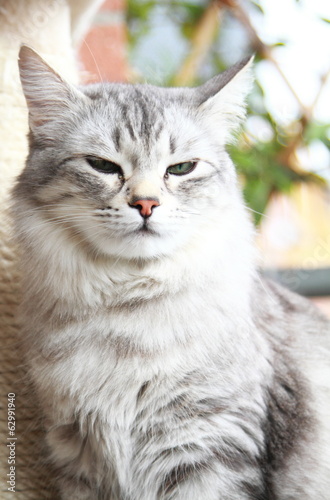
x: 105, y: 166
x: 182, y: 168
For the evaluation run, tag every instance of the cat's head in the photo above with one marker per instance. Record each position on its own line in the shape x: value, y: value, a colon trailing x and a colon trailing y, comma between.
x: 131, y: 171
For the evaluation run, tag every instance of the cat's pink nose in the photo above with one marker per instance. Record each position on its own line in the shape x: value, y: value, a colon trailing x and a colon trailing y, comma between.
x: 145, y: 205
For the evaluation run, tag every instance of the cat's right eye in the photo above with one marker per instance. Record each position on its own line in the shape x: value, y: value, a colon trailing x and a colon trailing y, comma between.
x: 105, y: 166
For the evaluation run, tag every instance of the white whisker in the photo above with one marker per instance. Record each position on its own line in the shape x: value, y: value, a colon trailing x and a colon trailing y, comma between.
x: 255, y: 211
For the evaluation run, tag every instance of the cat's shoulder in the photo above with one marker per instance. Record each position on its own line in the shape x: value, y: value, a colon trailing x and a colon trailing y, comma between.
x: 285, y: 314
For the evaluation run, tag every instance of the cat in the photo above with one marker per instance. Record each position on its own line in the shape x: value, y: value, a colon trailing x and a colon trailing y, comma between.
x: 166, y: 366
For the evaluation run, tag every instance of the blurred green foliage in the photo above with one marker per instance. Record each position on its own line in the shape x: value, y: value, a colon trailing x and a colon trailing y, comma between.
x: 265, y: 167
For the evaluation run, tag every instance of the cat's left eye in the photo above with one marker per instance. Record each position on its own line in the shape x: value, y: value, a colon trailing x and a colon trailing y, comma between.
x: 105, y: 166
x: 181, y: 168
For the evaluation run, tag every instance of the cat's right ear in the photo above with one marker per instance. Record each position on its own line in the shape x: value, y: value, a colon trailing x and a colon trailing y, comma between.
x: 47, y: 95
x: 222, y: 99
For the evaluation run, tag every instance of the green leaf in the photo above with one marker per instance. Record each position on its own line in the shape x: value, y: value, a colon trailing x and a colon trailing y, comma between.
x: 278, y: 44
x: 317, y: 131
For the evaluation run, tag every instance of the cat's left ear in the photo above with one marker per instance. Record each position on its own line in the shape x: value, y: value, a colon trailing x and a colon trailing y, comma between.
x: 222, y: 99
x: 48, y: 96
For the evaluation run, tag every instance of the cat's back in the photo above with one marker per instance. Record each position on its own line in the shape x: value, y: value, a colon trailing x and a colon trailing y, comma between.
x: 299, y: 336
x: 296, y: 330
x: 290, y: 319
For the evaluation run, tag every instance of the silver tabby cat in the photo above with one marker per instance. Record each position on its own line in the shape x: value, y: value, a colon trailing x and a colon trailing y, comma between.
x: 167, y: 368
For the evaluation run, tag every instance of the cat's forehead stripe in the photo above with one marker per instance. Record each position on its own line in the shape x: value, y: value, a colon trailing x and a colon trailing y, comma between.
x: 127, y: 121
x: 158, y: 130
x: 172, y: 144
x: 140, y: 113
x: 116, y: 138
x: 142, y: 118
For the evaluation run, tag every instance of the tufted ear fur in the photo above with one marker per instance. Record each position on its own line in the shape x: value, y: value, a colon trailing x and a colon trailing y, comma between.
x: 222, y: 99
x: 48, y: 96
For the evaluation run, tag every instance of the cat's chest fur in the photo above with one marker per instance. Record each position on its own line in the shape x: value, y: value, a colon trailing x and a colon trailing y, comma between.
x: 127, y: 346
x: 138, y: 400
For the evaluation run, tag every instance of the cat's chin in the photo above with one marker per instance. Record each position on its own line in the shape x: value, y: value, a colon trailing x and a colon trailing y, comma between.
x: 142, y: 246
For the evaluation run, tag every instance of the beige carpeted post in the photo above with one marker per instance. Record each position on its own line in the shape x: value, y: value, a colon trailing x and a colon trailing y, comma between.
x: 45, y: 25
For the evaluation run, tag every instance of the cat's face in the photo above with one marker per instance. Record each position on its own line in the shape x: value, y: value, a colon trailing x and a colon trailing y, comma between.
x: 128, y: 171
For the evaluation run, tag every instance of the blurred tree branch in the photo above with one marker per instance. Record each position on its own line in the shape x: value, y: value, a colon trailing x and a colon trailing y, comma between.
x: 201, y: 41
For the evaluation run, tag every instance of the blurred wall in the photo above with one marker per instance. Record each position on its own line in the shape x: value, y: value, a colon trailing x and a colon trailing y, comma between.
x: 103, y: 52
